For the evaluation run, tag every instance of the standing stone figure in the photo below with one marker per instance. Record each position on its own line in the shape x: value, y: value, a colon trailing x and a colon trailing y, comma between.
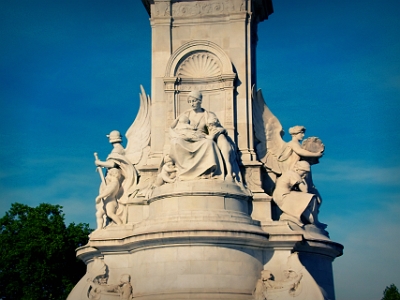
x: 292, y: 196
x: 106, y: 201
x: 200, y: 147
x: 277, y: 155
x: 117, y: 159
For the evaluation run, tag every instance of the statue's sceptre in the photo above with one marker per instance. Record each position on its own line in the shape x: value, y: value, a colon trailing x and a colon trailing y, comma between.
x: 98, y: 169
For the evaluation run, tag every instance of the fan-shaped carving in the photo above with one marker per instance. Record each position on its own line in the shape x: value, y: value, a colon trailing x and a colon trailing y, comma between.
x: 199, y: 65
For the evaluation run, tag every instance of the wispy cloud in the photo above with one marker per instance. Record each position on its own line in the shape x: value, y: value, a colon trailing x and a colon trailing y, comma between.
x: 371, y: 242
x: 75, y: 192
x: 357, y: 172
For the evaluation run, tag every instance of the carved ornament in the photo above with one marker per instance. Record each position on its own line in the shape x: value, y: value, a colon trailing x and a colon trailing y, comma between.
x: 199, y: 65
x: 184, y: 9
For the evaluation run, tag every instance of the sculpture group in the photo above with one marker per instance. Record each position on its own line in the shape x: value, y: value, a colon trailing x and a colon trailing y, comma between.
x: 200, y: 149
x: 98, y: 283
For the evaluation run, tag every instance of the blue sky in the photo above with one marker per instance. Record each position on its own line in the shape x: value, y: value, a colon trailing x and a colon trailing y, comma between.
x: 70, y: 73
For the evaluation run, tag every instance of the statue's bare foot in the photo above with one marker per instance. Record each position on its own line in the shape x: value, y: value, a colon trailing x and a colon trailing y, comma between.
x: 286, y: 217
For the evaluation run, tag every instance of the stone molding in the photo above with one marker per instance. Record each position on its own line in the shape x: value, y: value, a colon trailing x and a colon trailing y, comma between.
x: 207, y: 8
x: 199, y: 46
x: 199, y: 65
x: 155, y: 8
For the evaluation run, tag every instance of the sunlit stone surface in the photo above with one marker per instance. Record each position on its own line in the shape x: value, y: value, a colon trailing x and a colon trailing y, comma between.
x: 205, y: 200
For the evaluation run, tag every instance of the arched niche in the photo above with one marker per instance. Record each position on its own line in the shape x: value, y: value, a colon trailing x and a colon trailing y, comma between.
x: 204, y: 66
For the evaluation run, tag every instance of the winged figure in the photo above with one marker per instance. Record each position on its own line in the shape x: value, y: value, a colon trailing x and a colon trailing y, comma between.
x: 125, y: 159
x: 276, y: 154
x: 138, y: 134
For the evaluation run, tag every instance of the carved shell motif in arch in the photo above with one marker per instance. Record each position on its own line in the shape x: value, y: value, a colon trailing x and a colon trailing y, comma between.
x: 199, y: 65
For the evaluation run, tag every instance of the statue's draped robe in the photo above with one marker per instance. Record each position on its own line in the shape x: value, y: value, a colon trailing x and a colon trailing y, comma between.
x: 198, y: 158
x: 288, y: 200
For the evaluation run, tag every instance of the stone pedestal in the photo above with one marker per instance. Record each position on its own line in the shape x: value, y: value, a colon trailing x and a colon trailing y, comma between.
x: 198, y: 241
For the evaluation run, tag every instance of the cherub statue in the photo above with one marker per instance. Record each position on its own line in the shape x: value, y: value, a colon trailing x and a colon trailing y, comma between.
x: 167, y: 172
x: 277, y: 155
x: 186, y: 131
x: 292, y: 196
x: 106, y: 201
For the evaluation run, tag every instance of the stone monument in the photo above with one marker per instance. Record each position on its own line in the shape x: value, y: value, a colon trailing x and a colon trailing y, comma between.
x: 206, y: 201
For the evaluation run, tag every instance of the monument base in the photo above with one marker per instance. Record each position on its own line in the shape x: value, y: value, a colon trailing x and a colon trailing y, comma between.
x: 198, y: 242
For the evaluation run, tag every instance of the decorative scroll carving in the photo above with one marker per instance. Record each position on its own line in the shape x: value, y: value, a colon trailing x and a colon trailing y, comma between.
x: 201, y: 9
x: 161, y: 9
x: 199, y: 65
x: 203, y: 87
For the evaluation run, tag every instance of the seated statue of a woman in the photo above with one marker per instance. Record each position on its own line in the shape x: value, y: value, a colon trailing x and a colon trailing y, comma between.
x: 200, y: 147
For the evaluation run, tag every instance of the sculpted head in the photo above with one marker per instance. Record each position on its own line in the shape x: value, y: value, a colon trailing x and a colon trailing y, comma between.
x: 289, y: 274
x: 297, y: 131
x: 266, y: 275
x: 125, y: 278
x: 114, y: 137
x: 195, y: 98
x: 102, y: 279
x: 167, y: 159
x: 184, y: 119
x: 302, y: 168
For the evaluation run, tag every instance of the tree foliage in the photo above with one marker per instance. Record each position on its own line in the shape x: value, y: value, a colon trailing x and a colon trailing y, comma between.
x: 37, y: 253
x: 391, y: 293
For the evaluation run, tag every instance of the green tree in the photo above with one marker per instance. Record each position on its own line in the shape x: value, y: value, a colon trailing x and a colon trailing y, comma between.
x: 391, y: 293
x: 37, y: 253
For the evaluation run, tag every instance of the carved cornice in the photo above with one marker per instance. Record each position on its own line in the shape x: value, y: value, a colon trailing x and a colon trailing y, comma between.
x: 207, y: 8
x: 161, y: 9
x: 261, y: 8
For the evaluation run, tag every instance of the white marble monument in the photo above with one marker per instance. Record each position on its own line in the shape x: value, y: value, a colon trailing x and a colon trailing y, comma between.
x: 206, y: 201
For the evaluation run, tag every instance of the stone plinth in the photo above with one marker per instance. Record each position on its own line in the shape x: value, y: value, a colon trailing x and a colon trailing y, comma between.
x: 199, y: 242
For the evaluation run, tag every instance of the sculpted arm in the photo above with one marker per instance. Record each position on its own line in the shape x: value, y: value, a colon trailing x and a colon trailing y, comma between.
x: 303, y: 152
x: 297, y: 181
x: 303, y: 186
x: 174, y: 123
x: 168, y: 179
x: 106, y: 164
